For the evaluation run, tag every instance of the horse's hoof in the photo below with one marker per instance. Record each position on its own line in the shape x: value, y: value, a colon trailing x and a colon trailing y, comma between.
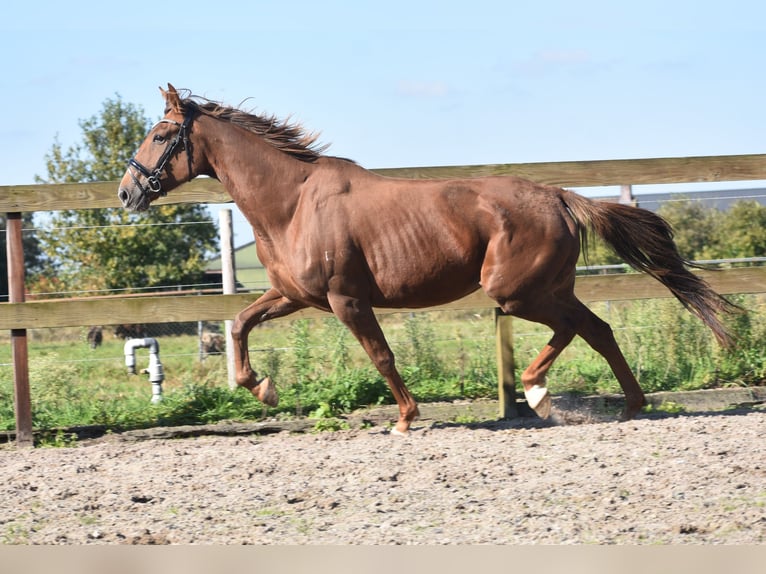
x: 267, y: 392
x: 402, y: 428
x: 539, y: 400
x: 630, y: 411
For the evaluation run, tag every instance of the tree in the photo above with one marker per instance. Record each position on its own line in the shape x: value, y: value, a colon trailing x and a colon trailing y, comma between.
x: 103, y: 249
x: 694, y: 227
x: 32, y: 255
x: 742, y: 231
x: 597, y: 252
x: 707, y: 233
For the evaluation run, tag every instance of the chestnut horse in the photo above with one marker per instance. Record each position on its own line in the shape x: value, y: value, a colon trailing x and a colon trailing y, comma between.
x: 337, y: 237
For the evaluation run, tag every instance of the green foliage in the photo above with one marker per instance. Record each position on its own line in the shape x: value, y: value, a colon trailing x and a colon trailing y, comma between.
x: 273, y: 362
x: 666, y: 407
x: 330, y: 424
x: 418, y: 356
x: 7, y: 413
x: 58, y: 399
x: 742, y: 231
x: 694, y: 225
x: 477, y: 377
x: 338, y: 337
x: 302, y: 360
x: 704, y: 233
x: 354, y: 388
x: 301, y: 365
x: 598, y: 253
x: 109, y: 140
x: 331, y: 383
x: 204, y: 403
x: 56, y: 439
x: 102, y: 248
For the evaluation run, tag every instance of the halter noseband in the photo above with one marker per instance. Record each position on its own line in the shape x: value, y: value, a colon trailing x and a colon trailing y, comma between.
x: 153, y: 176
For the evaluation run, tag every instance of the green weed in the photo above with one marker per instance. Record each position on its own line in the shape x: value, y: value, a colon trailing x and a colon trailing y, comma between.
x: 665, y: 407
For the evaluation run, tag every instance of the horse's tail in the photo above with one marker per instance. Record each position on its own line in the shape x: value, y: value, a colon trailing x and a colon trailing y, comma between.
x: 644, y: 241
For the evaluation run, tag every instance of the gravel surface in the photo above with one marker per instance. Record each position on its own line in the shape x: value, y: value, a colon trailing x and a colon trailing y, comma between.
x: 695, y: 479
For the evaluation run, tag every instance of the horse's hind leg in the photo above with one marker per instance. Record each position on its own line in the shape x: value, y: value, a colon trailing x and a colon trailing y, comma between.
x: 359, y: 317
x: 567, y: 318
x: 598, y: 334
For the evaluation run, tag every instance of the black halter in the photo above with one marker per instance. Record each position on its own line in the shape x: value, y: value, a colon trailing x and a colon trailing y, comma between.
x: 153, y: 176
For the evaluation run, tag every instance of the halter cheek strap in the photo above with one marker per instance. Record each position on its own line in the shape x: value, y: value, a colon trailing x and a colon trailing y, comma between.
x: 153, y: 176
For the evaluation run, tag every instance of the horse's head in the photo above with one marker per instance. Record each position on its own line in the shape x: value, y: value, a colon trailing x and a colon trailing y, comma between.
x: 160, y: 163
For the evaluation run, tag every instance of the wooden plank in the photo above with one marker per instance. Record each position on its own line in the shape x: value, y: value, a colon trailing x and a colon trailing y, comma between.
x: 175, y: 308
x: 608, y: 172
x: 79, y: 312
x: 737, y: 281
x: 115, y: 311
x: 50, y: 197
x: 640, y: 286
x: 112, y: 311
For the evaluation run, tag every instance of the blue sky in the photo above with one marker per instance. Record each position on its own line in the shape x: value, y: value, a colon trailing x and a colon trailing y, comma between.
x: 394, y: 83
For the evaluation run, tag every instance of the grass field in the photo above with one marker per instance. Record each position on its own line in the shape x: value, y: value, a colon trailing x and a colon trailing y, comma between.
x: 321, y: 370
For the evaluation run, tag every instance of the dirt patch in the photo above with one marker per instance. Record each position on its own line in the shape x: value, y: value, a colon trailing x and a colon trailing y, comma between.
x: 582, y: 478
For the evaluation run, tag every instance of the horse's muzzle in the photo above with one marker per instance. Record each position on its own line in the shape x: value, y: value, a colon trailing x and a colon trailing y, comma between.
x: 132, y: 201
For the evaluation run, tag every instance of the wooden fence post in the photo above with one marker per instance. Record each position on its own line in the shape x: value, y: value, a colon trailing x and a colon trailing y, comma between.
x: 626, y: 195
x: 22, y: 396
x: 506, y: 379
x: 229, y: 286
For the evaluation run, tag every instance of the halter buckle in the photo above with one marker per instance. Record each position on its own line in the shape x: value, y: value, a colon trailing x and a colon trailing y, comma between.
x: 154, y: 183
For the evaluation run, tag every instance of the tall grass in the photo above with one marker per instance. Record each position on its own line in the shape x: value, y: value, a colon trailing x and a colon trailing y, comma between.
x: 321, y: 370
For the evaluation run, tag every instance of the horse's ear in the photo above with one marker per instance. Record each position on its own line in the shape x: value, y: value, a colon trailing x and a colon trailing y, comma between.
x: 172, y: 99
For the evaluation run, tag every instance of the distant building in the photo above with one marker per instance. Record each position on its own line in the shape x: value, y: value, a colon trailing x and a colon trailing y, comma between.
x: 250, y: 275
x: 719, y: 199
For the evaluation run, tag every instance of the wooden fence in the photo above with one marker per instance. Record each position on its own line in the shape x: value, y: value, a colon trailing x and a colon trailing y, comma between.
x: 19, y: 315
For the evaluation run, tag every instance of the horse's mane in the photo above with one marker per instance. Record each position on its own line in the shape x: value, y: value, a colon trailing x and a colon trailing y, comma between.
x: 290, y: 138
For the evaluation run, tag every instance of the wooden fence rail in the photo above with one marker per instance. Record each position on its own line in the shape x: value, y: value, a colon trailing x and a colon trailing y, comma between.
x: 19, y: 315
x: 178, y: 308
x: 53, y: 197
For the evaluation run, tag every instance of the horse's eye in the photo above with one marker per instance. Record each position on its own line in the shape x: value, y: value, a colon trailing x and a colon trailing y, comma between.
x: 159, y: 139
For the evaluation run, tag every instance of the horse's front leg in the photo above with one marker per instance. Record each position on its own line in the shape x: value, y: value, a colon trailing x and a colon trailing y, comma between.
x: 360, y: 319
x: 270, y: 305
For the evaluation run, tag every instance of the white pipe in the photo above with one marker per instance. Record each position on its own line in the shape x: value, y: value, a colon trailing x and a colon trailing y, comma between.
x: 155, y: 371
